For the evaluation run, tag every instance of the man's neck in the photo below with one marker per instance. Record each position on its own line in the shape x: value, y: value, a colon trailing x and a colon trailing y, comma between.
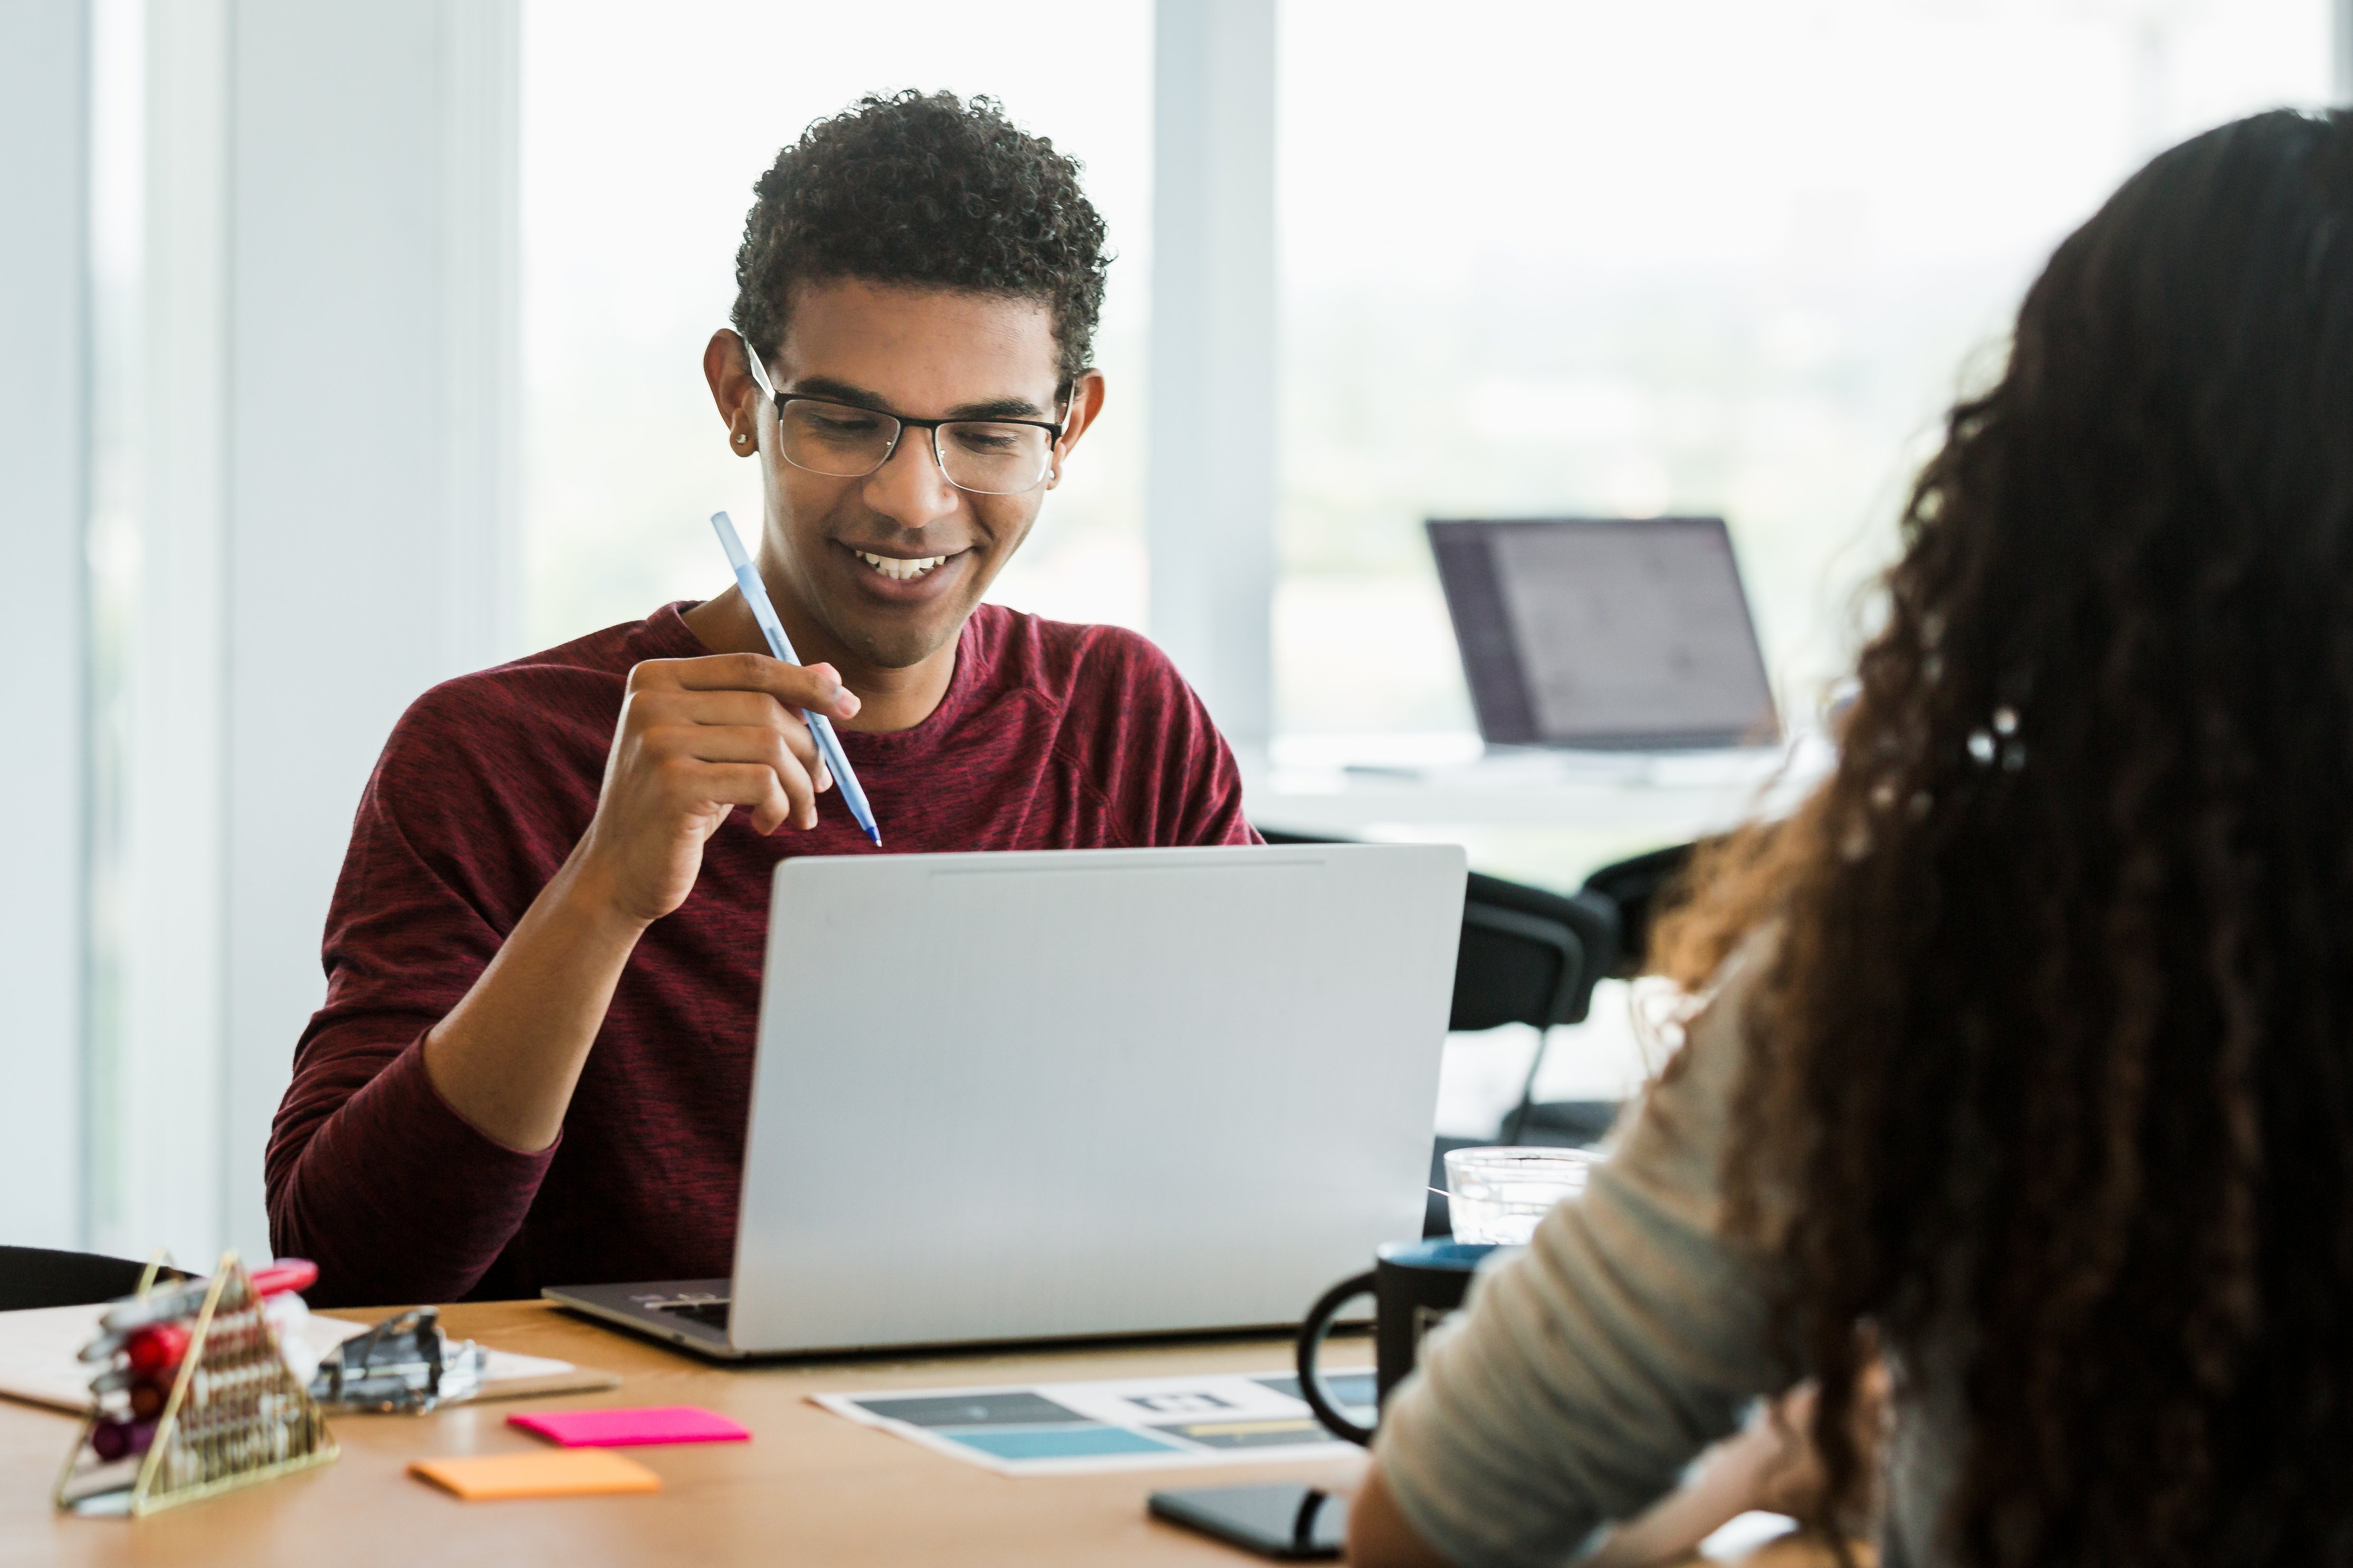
x: 889, y: 699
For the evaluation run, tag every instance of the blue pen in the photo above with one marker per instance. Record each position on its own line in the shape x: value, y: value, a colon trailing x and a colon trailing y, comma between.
x: 829, y: 745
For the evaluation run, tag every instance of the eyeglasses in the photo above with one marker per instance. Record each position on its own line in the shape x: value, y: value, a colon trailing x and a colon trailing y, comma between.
x: 986, y: 456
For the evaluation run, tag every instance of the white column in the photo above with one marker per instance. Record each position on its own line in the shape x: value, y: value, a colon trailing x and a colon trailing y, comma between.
x: 1211, y: 467
x: 44, y: 476
x: 332, y: 231
x: 169, y: 1062
x: 371, y: 324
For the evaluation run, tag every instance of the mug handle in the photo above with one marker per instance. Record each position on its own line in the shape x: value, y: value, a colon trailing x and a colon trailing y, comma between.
x: 1311, y: 1343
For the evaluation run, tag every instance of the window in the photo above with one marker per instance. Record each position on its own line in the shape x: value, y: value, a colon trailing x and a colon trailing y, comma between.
x: 643, y: 131
x: 1692, y: 256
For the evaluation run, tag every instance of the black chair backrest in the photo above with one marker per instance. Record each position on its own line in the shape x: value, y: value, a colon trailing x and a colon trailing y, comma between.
x: 1529, y: 956
x: 1632, y: 888
x: 37, y: 1277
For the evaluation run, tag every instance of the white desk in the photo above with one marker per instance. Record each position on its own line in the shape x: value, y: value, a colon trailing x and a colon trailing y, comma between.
x: 1538, y: 816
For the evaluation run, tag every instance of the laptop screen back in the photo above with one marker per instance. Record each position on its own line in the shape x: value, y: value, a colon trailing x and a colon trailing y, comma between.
x: 1607, y: 633
x: 1037, y: 1094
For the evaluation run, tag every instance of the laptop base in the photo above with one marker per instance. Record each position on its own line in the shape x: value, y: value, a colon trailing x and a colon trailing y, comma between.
x: 689, y: 1313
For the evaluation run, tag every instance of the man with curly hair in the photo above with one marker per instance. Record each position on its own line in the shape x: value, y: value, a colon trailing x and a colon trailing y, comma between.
x: 544, y: 956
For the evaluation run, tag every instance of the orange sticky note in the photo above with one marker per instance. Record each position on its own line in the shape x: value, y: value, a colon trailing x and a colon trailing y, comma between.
x: 566, y: 1472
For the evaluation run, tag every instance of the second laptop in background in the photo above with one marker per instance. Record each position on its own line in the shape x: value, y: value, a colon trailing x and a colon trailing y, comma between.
x: 1605, y: 633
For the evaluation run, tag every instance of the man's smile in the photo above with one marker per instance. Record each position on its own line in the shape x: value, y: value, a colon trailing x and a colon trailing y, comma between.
x: 899, y: 568
x: 899, y: 576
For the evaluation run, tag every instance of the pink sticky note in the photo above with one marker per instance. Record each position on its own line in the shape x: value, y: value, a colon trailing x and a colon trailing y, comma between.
x: 630, y: 1428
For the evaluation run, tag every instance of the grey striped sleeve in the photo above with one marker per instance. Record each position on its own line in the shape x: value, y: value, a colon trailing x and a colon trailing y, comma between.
x: 1591, y: 1368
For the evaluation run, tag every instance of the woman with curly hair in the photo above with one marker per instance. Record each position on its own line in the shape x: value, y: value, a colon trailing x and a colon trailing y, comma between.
x: 2027, y: 1052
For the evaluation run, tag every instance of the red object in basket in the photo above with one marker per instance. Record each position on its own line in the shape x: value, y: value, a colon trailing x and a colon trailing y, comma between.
x: 286, y: 1274
x: 156, y: 1349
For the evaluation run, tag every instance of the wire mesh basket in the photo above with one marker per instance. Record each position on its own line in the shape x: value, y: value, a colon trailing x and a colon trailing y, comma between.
x: 235, y: 1415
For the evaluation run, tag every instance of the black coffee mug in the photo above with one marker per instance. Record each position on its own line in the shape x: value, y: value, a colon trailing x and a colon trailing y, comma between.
x: 1413, y: 1284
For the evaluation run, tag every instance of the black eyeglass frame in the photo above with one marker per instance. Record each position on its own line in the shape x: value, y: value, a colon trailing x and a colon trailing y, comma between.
x: 778, y: 400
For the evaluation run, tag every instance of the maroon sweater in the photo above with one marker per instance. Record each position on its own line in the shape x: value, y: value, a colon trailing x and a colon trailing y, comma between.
x: 1050, y: 736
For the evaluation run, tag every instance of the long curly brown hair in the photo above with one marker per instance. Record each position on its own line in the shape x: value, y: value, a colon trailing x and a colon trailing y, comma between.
x: 2053, y: 1060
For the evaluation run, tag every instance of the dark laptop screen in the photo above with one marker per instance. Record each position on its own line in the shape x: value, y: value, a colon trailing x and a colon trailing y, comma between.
x: 1604, y: 631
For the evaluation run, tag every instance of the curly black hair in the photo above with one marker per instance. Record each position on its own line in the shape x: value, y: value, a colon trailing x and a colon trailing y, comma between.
x: 923, y: 188
x: 2053, y: 1060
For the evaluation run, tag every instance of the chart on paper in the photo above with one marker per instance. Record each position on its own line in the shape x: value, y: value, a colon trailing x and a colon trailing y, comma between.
x: 1137, y: 1423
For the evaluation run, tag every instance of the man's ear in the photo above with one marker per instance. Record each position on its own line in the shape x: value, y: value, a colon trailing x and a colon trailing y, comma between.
x: 733, y: 389
x: 1086, y: 402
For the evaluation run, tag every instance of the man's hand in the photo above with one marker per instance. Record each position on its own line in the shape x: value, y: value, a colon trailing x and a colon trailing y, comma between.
x: 698, y: 738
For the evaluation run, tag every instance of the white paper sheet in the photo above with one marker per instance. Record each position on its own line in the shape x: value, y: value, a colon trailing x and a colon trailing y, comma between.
x: 40, y: 1354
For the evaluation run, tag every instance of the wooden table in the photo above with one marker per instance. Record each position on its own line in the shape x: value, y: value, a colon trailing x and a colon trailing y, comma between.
x: 809, y: 1488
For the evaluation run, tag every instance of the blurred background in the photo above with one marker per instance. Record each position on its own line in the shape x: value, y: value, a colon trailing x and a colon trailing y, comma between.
x: 346, y: 349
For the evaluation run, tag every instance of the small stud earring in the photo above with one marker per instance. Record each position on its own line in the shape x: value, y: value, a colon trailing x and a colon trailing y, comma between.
x: 741, y: 438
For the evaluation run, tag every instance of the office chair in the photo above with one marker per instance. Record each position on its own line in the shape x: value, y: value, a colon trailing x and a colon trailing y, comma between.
x: 1529, y: 956
x: 37, y: 1277
x: 1635, y: 886
x: 1633, y: 889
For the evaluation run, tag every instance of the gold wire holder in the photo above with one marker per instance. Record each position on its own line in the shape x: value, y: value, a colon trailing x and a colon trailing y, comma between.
x: 235, y: 1416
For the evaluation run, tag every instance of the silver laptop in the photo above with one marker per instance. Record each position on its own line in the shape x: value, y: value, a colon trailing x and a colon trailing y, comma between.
x: 1076, y: 1093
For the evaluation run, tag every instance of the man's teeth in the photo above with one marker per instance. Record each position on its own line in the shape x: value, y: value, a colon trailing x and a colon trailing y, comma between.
x: 899, y: 570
